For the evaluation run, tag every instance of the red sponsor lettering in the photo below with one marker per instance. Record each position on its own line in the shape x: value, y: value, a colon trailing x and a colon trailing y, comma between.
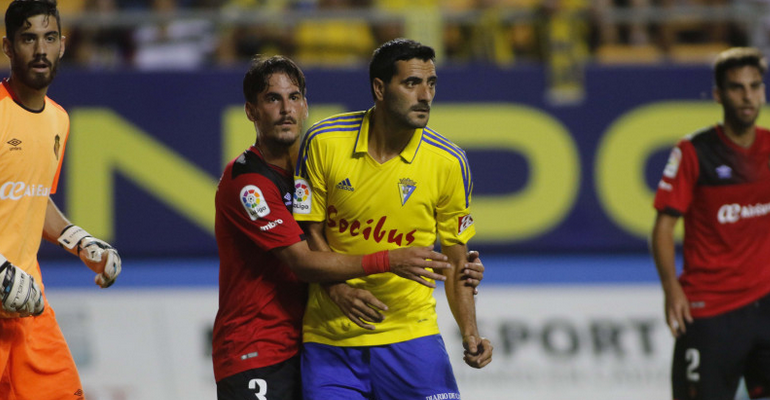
x: 376, y: 232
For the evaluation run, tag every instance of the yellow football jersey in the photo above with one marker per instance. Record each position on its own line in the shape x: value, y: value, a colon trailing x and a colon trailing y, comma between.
x: 367, y: 206
x: 31, y: 149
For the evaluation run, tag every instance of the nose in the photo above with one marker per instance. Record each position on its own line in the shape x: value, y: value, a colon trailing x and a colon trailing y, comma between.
x: 40, y: 48
x: 425, y: 94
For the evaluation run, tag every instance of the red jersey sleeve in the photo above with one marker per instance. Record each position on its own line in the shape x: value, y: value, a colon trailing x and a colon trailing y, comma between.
x: 255, y: 207
x: 675, y: 189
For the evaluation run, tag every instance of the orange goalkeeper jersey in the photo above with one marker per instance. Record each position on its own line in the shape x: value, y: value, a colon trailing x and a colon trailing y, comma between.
x: 31, y: 149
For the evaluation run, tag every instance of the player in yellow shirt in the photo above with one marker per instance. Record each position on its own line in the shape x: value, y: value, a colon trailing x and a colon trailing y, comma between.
x: 375, y: 180
x: 35, y: 362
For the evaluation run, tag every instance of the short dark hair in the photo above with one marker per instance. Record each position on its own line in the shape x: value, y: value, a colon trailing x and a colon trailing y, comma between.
x: 383, y: 64
x: 737, y: 57
x: 20, y: 11
x: 258, y: 76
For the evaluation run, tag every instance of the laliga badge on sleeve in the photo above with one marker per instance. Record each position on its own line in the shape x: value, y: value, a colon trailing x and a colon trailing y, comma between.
x: 464, y: 223
x: 254, y: 202
x: 672, y: 166
x: 302, y: 196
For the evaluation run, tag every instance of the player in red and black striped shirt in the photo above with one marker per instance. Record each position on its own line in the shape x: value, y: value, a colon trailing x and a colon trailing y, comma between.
x: 718, y: 179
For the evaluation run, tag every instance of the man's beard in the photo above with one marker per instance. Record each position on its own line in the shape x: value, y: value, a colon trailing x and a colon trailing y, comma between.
x: 734, y: 119
x: 32, y: 79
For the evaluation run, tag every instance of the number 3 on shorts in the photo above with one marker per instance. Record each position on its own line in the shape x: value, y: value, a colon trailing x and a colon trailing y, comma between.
x: 260, y: 385
x: 693, y: 362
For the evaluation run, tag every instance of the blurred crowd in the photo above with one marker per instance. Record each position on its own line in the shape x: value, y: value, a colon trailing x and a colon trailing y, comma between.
x: 189, y: 34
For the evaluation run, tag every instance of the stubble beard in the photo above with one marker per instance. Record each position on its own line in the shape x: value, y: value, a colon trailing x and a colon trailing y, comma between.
x: 401, y: 117
x: 741, y: 125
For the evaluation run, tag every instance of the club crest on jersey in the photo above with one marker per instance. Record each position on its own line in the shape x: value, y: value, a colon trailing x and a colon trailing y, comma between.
x: 406, y: 187
x: 254, y: 202
x: 672, y: 166
x: 464, y: 223
x: 302, y: 197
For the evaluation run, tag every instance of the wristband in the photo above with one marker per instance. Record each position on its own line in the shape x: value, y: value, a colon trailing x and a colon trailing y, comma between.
x: 376, y: 263
x: 71, y: 237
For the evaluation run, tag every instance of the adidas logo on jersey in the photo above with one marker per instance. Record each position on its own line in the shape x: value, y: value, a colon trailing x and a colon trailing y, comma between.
x: 345, y: 185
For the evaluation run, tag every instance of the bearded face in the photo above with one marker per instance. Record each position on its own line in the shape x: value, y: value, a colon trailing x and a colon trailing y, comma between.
x: 35, y: 52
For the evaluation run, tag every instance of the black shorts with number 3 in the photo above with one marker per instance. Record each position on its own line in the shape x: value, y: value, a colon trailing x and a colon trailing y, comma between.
x: 710, y: 359
x: 277, y: 382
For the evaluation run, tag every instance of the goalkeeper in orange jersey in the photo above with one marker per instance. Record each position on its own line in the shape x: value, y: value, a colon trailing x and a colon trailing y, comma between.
x: 35, y: 362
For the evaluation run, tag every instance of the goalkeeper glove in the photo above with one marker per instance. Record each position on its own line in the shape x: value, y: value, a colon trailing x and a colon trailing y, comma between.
x: 20, y: 293
x: 94, y: 252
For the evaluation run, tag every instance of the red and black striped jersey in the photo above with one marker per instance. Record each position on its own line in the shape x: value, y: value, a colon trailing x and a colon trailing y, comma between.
x: 261, y: 301
x: 723, y: 192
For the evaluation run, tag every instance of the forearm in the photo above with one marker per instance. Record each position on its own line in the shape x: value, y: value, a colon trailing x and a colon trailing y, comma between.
x: 317, y: 242
x: 459, y: 296
x: 320, y: 266
x: 662, y: 247
x: 55, y: 222
x: 315, y: 236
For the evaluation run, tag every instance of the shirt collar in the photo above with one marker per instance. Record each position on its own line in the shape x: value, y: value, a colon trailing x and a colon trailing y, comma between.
x: 362, y: 141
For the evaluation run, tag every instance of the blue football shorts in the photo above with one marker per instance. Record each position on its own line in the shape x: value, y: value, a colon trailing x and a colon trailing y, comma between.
x: 415, y: 369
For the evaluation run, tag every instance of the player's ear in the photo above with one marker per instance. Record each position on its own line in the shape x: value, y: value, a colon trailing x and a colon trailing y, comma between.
x: 61, y: 48
x: 717, y: 94
x: 248, y: 107
x: 7, y: 49
x: 378, y: 87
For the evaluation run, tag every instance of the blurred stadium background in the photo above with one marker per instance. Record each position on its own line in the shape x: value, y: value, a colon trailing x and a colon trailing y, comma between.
x: 567, y: 110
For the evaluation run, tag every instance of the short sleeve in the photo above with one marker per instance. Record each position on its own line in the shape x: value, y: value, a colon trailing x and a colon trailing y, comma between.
x: 254, y: 205
x: 453, y: 214
x: 675, y: 189
x: 310, y: 186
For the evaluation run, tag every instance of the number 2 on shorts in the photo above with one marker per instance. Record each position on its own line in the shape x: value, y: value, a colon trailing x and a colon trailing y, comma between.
x: 693, y: 362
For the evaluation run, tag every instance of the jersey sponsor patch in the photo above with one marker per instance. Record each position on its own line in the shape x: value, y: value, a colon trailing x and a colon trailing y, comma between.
x: 302, y: 197
x: 672, y: 166
x: 464, y: 223
x: 254, y: 202
x: 732, y: 213
x: 17, y: 190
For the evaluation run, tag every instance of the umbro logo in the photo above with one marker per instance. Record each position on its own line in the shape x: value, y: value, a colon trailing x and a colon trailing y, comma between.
x: 345, y: 185
x: 15, y: 143
x: 724, y: 172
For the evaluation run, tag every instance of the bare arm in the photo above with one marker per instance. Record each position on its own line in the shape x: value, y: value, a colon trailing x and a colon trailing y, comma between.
x: 359, y: 305
x: 326, y: 266
x: 677, y: 308
x: 55, y: 222
x: 478, y: 350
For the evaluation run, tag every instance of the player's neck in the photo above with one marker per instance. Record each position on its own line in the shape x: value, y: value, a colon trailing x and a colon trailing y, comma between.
x: 279, y: 155
x: 386, y: 140
x: 743, y: 137
x: 33, y: 99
